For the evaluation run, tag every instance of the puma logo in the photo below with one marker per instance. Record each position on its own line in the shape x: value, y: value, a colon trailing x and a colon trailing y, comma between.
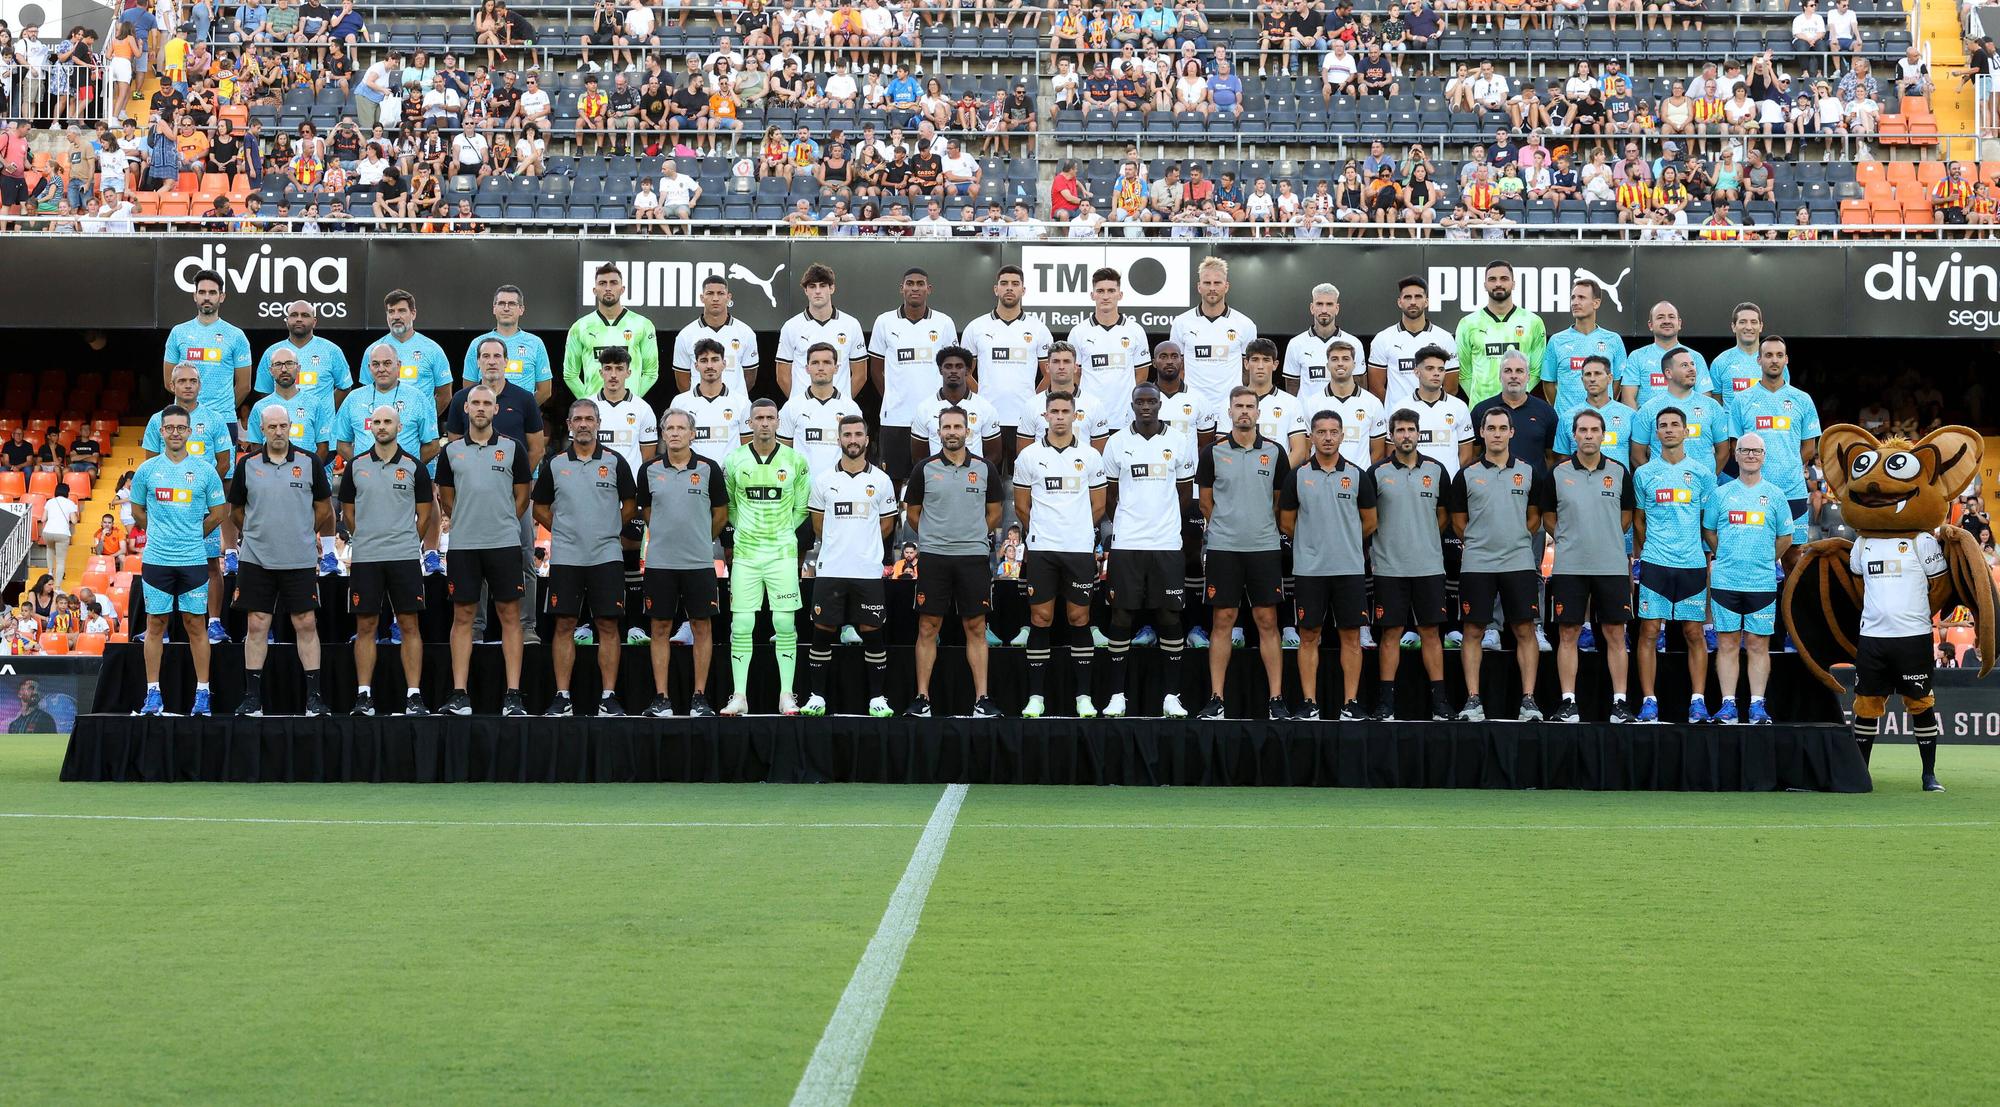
x: 1610, y: 287
x: 740, y: 273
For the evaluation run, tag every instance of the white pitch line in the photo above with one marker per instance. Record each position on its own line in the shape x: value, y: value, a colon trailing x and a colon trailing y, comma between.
x: 724, y: 825
x: 835, y: 1067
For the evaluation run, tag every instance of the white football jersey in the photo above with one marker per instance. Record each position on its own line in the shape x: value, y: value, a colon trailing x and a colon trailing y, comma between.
x: 1395, y: 351
x: 1148, y: 472
x: 1091, y: 421
x: 1010, y: 354
x: 1186, y: 412
x: 1441, y: 427
x: 1111, y: 358
x: 812, y: 427
x: 1362, y: 421
x: 843, y: 332
x: 739, y: 344
x: 627, y: 427
x: 1305, y: 360
x: 1895, y: 583
x: 908, y: 349
x: 1213, y: 349
x: 1059, y: 484
x: 982, y: 423
x: 851, y: 506
x: 719, y: 423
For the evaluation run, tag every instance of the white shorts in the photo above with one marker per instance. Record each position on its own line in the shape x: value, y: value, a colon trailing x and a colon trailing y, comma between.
x: 121, y: 70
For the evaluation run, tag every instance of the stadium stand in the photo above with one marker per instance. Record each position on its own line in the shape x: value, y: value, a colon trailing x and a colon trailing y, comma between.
x: 1485, y: 117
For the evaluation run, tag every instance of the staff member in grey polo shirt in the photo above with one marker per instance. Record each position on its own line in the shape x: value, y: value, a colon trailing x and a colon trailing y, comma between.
x: 483, y: 484
x: 953, y: 503
x: 1408, y: 557
x: 1328, y: 510
x: 385, y: 501
x: 585, y: 496
x: 1495, y: 508
x: 281, y: 504
x: 519, y: 417
x: 685, y: 504
x: 1239, y: 478
x: 1587, y: 511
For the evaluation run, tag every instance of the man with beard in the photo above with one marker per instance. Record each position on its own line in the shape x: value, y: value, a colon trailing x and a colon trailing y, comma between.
x: 610, y: 324
x: 1011, y: 352
x: 1149, y: 475
x: 854, y: 511
x: 1392, y: 356
x: 1485, y: 336
x: 322, y: 368
x: 1305, y: 355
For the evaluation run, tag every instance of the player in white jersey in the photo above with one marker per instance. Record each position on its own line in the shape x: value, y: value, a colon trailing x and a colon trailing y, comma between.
x: 626, y: 425
x: 821, y: 322
x: 854, y: 511
x: 902, y: 363
x: 738, y: 341
x: 1149, y: 477
x: 1010, y: 351
x: 1180, y: 406
x: 982, y: 423
x: 1111, y: 347
x: 1304, y: 366
x: 1444, y: 423
x: 1090, y: 421
x: 721, y: 417
x: 1212, y: 335
x: 1392, y: 356
x: 1364, y: 426
x: 810, y: 421
x: 1059, y: 497
x: 1278, y: 411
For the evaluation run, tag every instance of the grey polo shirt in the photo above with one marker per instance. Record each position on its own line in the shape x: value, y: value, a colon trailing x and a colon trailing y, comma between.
x: 1241, y: 479
x: 586, y: 500
x: 482, y: 476
x: 1407, y: 541
x: 1326, y: 537
x: 679, y: 505
x: 385, y: 495
x: 1590, y: 540
x: 1495, y: 500
x: 954, y: 499
x: 277, y: 499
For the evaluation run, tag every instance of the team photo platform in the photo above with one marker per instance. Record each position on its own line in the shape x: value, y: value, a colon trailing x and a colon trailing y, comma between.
x: 1810, y: 751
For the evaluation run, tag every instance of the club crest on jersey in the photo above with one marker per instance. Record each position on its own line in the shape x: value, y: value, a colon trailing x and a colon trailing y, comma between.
x: 297, y: 471
x: 499, y: 455
x: 1346, y: 483
x: 1517, y: 480
x: 1078, y: 463
x: 1607, y: 480
x: 1263, y: 459
x: 402, y: 474
x: 1427, y: 481
x: 1902, y: 547
x: 604, y: 470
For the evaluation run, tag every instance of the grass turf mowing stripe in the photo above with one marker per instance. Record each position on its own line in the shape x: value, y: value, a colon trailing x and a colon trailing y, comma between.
x: 836, y: 1062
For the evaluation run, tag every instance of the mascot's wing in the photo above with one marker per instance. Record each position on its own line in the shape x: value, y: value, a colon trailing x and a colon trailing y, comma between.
x: 1822, y: 607
x: 1970, y: 583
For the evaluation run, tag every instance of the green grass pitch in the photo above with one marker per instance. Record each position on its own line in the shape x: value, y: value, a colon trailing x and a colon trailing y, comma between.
x: 498, y: 944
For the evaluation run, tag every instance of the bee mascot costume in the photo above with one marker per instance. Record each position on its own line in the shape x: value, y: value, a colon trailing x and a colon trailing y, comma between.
x: 1870, y: 601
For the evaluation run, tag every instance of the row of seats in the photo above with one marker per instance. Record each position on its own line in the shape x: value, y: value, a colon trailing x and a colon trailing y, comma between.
x: 19, y: 486
x: 87, y: 645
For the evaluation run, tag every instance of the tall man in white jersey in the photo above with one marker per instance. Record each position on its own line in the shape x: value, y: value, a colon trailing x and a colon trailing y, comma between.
x: 1392, y: 356
x: 721, y: 416
x: 854, y: 511
x: 1305, y: 373
x: 715, y: 322
x: 626, y: 426
x: 1059, y: 496
x: 1111, y: 347
x: 810, y: 421
x: 1089, y: 421
x: 1149, y: 475
x: 902, y: 364
x: 821, y: 322
x: 1363, y: 428
x: 1010, y: 351
x: 1212, y: 335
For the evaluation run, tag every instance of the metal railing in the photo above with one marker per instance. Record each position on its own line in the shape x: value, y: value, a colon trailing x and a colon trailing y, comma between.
x: 56, y: 95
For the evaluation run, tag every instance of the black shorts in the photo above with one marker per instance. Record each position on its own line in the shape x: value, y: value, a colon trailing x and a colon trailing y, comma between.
x: 896, y: 460
x: 1233, y: 578
x: 13, y: 190
x: 689, y: 593
x: 948, y: 583
x: 258, y: 589
x: 1146, y: 580
x: 1894, y: 666
x: 1342, y: 601
x: 400, y: 582
x: 1409, y: 601
x: 498, y: 570
x: 1518, y: 593
x: 1051, y: 576
x: 850, y: 601
x: 1605, y: 598
x: 600, y: 588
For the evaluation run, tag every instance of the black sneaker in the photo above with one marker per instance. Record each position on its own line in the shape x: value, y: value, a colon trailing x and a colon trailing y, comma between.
x: 511, y: 704
x: 1351, y: 712
x: 920, y: 708
x: 458, y: 704
x: 559, y: 708
x: 1530, y: 711
x: 415, y: 704
x: 609, y: 707
x: 1277, y: 712
x: 1308, y: 711
x: 364, y: 704
x: 1385, y: 712
x: 315, y: 707
x: 1212, y: 710
x: 699, y: 709
x: 1621, y: 713
x: 1441, y: 712
x: 1931, y: 783
x: 982, y: 708
x: 660, y: 708
x: 1565, y: 712
x: 252, y: 705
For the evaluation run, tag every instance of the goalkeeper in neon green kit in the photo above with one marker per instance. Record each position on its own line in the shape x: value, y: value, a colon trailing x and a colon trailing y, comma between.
x: 769, y: 489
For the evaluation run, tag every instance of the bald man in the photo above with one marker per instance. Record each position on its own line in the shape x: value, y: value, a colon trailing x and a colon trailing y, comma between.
x: 1748, y: 523
x: 281, y: 504
x: 385, y: 503
x: 416, y: 409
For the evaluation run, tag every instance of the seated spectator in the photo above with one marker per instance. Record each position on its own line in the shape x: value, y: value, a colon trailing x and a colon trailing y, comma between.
x: 679, y: 194
x: 17, y: 454
x: 24, y: 632
x: 1338, y: 73
x: 646, y: 207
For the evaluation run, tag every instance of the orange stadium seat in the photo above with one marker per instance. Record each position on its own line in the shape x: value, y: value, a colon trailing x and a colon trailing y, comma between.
x: 96, y: 582
x: 1929, y: 173
x: 90, y: 645
x: 1919, y: 212
x: 55, y: 645
x: 34, y: 503
x: 1900, y: 172
x: 1877, y: 191
x: 119, y: 636
x: 43, y: 484
x: 13, y: 486
x: 79, y: 486
x: 1885, y: 212
x: 1894, y: 131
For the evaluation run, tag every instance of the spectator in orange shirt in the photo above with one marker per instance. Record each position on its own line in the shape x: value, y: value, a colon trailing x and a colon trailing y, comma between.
x: 721, y: 115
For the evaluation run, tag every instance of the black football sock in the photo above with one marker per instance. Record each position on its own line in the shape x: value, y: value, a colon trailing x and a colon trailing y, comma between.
x: 1038, y: 660
x: 253, y: 682
x: 312, y: 683
x: 819, y: 659
x: 875, y: 655
x: 1924, y: 728
x: 1865, y: 731
x: 1082, y: 649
